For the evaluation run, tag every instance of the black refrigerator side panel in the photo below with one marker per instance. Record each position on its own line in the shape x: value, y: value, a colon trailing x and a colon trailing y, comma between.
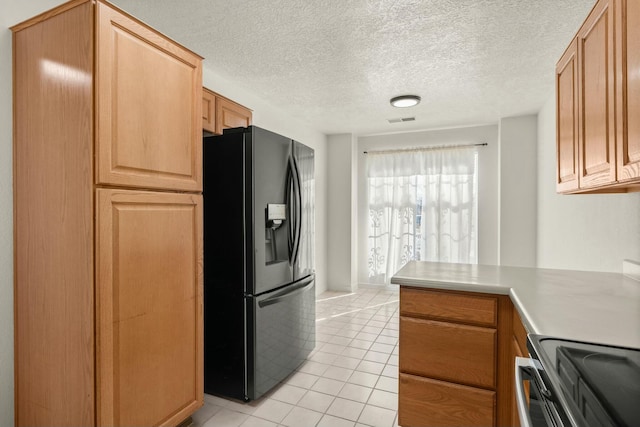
x: 225, y: 253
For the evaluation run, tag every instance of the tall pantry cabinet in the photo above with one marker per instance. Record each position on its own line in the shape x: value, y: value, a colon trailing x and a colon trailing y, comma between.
x: 107, y: 221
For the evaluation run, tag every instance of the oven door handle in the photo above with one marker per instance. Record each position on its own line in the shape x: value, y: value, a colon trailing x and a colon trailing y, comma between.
x: 522, y: 364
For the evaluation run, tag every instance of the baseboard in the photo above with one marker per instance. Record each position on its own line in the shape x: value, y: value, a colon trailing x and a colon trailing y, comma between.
x: 631, y: 269
x: 377, y: 286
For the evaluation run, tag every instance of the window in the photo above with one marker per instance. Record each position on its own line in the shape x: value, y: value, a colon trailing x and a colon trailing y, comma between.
x: 423, y: 205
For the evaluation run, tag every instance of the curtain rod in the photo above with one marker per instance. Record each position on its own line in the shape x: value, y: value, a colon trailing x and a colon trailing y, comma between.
x: 439, y: 147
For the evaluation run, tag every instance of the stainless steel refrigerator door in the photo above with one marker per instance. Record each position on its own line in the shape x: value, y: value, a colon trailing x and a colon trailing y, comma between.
x: 270, y: 154
x: 304, y: 263
x: 284, y: 337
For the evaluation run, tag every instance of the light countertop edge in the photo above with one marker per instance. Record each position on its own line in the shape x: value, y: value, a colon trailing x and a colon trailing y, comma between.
x: 579, y: 305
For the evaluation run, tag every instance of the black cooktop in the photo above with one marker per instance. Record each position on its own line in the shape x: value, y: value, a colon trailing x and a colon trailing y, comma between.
x: 600, y: 384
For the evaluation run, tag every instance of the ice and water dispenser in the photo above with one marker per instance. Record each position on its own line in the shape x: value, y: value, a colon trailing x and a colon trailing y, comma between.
x: 277, y: 249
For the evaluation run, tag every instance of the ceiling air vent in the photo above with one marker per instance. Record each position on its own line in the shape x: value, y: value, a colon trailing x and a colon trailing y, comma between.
x: 403, y: 119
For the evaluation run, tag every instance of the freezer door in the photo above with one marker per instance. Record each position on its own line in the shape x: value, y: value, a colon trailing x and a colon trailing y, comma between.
x: 304, y: 262
x: 284, y: 334
x: 270, y: 155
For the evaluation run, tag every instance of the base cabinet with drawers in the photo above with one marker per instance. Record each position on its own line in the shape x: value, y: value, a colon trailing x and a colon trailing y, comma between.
x: 108, y: 221
x: 455, y: 358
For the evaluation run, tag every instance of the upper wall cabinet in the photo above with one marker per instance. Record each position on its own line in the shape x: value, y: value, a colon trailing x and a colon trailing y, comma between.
x: 628, y: 88
x: 596, y: 95
x: 208, y: 110
x: 598, y: 146
x: 148, y: 93
x: 567, y: 119
x: 219, y: 113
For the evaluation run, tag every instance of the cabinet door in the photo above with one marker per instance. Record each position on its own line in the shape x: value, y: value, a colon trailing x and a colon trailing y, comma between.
x: 567, y: 120
x: 597, y: 152
x: 149, y: 101
x: 230, y: 115
x: 518, y: 349
x: 208, y: 110
x: 519, y: 331
x: 148, y: 307
x: 628, y: 66
x: 515, y: 352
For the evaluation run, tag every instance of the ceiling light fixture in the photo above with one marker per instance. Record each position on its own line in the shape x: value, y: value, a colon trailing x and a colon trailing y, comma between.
x: 404, y: 101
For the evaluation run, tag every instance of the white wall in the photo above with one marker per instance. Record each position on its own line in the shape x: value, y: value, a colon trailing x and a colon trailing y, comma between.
x: 593, y: 232
x: 340, y: 246
x: 272, y: 118
x: 518, y: 190
x: 488, y: 185
x: 6, y: 221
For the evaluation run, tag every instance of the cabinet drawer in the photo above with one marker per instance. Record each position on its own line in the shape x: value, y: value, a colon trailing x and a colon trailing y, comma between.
x: 458, y: 307
x: 425, y: 402
x: 460, y: 353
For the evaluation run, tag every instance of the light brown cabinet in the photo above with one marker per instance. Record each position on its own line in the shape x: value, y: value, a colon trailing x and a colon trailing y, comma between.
x: 519, y: 349
x: 457, y: 355
x: 208, y: 110
x: 596, y: 96
x: 219, y: 113
x: 598, y: 141
x: 429, y: 402
x: 108, y: 221
x: 628, y: 90
x: 567, y: 119
x: 438, y: 349
x: 456, y: 359
x: 148, y: 306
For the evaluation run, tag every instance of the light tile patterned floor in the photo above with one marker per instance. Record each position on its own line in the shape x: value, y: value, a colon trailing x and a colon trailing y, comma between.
x: 350, y: 380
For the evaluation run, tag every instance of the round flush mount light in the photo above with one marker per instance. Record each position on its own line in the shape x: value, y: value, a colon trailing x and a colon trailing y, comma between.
x: 404, y: 101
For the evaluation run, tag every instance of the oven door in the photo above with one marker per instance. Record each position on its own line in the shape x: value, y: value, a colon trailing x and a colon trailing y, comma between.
x: 535, y: 409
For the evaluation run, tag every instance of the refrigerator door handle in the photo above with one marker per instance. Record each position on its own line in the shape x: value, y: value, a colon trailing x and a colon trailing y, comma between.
x: 298, y: 212
x: 297, y: 288
x: 290, y: 201
x: 293, y: 203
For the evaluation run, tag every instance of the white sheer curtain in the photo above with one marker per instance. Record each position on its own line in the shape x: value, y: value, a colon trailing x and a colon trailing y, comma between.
x: 423, y: 205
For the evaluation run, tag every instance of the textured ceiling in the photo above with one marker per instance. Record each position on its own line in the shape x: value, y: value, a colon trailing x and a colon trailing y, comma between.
x: 335, y: 64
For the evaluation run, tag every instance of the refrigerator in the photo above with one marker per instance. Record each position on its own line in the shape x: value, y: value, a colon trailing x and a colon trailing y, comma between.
x: 259, y: 281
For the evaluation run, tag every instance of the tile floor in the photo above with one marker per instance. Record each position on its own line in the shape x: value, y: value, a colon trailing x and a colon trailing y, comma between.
x: 350, y: 379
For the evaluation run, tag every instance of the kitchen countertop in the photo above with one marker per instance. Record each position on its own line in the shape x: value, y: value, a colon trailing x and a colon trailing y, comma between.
x: 579, y: 305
